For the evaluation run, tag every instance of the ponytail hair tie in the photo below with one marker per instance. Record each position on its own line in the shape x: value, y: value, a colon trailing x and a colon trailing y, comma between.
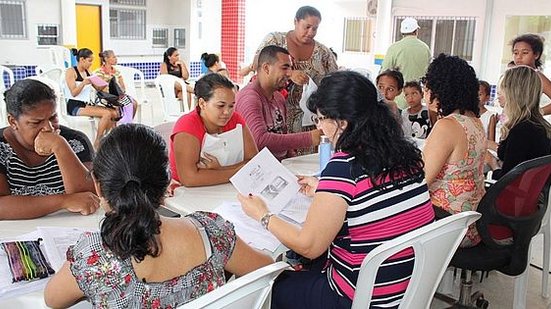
x: 134, y: 179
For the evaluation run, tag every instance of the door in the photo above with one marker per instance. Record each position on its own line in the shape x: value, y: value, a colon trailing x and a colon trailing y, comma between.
x: 89, y: 30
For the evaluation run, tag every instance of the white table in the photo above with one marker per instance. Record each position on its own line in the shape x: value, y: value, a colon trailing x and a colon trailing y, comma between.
x: 185, y: 200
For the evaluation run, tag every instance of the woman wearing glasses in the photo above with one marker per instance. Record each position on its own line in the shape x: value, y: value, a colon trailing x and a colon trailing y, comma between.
x: 371, y: 191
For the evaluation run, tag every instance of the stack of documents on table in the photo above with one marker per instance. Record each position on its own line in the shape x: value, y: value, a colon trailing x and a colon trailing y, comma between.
x: 55, y: 242
x: 266, y: 177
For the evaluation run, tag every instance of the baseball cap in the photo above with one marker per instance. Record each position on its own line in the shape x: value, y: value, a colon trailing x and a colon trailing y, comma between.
x: 408, y: 25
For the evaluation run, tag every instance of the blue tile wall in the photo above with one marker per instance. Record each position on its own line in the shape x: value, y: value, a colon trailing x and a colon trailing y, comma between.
x: 493, y: 92
x: 149, y: 69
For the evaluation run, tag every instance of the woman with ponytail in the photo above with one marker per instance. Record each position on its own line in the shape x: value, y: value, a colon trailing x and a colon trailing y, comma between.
x: 174, y: 66
x: 138, y: 259
x: 371, y: 191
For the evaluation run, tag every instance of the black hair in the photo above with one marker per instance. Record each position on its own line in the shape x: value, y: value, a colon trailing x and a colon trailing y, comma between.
x: 373, y: 135
x: 205, y: 86
x: 397, y: 75
x: 269, y: 54
x: 536, y: 43
x: 25, y: 95
x: 307, y: 10
x: 209, y: 59
x: 168, y: 52
x: 453, y: 82
x: 133, y: 180
x: 81, y: 53
x: 486, y: 86
x: 414, y: 84
x: 104, y: 55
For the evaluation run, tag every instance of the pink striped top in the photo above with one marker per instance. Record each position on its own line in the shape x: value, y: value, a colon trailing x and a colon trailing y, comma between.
x: 373, y: 217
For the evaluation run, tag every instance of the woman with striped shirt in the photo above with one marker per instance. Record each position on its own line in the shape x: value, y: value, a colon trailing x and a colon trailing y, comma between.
x: 371, y: 191
x: 43, y: 166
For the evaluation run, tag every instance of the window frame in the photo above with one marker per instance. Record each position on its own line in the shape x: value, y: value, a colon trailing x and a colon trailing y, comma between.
x: 22, y: 4
x: 176, y: 44
x: 154, y: 37
x: 137, y: 10
x: 434, y: 23
x: 38, y: 35
x: 366, y: 24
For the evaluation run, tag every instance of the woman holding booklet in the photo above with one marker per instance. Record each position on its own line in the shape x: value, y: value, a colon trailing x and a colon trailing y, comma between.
x: 206, y: 145
x: 138, y: 259
x: 372, y: 190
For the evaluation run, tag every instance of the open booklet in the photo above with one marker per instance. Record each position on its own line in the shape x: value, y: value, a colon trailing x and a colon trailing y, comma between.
x: 55, y: 242
x: 266, y: 177
x: 227, y: 147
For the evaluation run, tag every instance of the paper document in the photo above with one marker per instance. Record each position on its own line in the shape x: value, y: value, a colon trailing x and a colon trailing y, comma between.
x: 297, y: 209
x: 55, y: 242
x: 227, y: 147
x: 266, y: 177
x: 97, y: 81
x: 307, y: 91
x: 249, y: 230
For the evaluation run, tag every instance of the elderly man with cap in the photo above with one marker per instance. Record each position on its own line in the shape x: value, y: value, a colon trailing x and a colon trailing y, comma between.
x: 410, y: 55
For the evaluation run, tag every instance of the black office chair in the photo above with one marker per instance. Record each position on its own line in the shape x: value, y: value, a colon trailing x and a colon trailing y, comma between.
x: 512, y: 210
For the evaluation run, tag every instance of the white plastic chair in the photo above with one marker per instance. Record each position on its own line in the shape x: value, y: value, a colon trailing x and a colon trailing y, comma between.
x: 165, y: 130
x: 521, y: 282
x: 434, y: 246
x: 52, y: 72
x: 173, y: 107
x: 129, y: 76
x: 249, y: 291
x: 80, y: 122
x: 3, y: 87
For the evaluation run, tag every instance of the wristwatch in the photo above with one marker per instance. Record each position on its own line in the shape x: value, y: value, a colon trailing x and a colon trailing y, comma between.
x: 266, y: 219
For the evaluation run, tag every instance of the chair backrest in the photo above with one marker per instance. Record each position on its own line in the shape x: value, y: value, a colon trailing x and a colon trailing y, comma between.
x: 514, y: 207
x: 54, y: 73
x: 54, y: 84
x: 165, y: 130
x: 249, y: 291
x: 173, y: 107
x: 433, y: 246
x: 129, y: 76
x: 3, y: 87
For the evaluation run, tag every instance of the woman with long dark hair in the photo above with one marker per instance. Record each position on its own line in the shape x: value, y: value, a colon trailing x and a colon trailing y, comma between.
x: 375, y: 179
x: 174, y: 66
x: 138, y: 259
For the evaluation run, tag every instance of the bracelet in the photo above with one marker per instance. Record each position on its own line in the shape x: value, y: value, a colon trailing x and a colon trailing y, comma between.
x: 265, y: 220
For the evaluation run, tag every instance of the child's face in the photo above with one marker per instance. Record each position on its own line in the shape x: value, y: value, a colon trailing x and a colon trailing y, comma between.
x: 388, y: 87
x: 413, y: 96
x: 482, y: 96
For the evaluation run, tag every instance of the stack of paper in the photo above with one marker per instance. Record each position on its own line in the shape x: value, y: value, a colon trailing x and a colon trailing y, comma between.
x: 56, y: 240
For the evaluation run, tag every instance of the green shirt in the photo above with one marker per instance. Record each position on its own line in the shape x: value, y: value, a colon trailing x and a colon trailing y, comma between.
x: 411, y: 57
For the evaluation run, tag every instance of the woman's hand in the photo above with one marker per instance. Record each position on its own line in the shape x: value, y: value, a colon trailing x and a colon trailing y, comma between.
x: 85, y: 203
x: 299, y: 77
x: 308, y: 185
x: 46, y: 142
x: 208, y: 161
x: 253, y: 206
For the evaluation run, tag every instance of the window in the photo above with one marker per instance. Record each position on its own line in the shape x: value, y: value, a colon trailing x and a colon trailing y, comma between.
x: 180, y: 37
x: 357, y: 34
x: 12, y: 19
x: 450, y: 35
x: 47, y: 34
x: 160, y: 37
x: 127, y: 19
x: 128, y: 2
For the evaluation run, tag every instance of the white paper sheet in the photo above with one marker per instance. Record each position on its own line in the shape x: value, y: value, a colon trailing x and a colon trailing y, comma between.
x: 249, y: 230
x: 267, y: 178
x: 307, y: 91
x: 227, y: 147
x: 56, y: 242
x: 297, y: 209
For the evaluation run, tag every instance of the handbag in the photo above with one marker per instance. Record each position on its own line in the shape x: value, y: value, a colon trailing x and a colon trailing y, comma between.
x: 115, y: 96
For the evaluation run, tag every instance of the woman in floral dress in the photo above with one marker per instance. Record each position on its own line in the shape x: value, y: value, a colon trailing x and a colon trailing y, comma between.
x: 454, y: 150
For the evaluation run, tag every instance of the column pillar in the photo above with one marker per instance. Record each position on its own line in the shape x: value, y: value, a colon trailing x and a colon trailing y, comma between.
x: 383, y: 28
x: 68, y: 23
x: 233, y: 35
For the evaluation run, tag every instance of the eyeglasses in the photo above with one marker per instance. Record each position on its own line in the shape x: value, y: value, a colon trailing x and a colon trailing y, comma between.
x: 317, y: 119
